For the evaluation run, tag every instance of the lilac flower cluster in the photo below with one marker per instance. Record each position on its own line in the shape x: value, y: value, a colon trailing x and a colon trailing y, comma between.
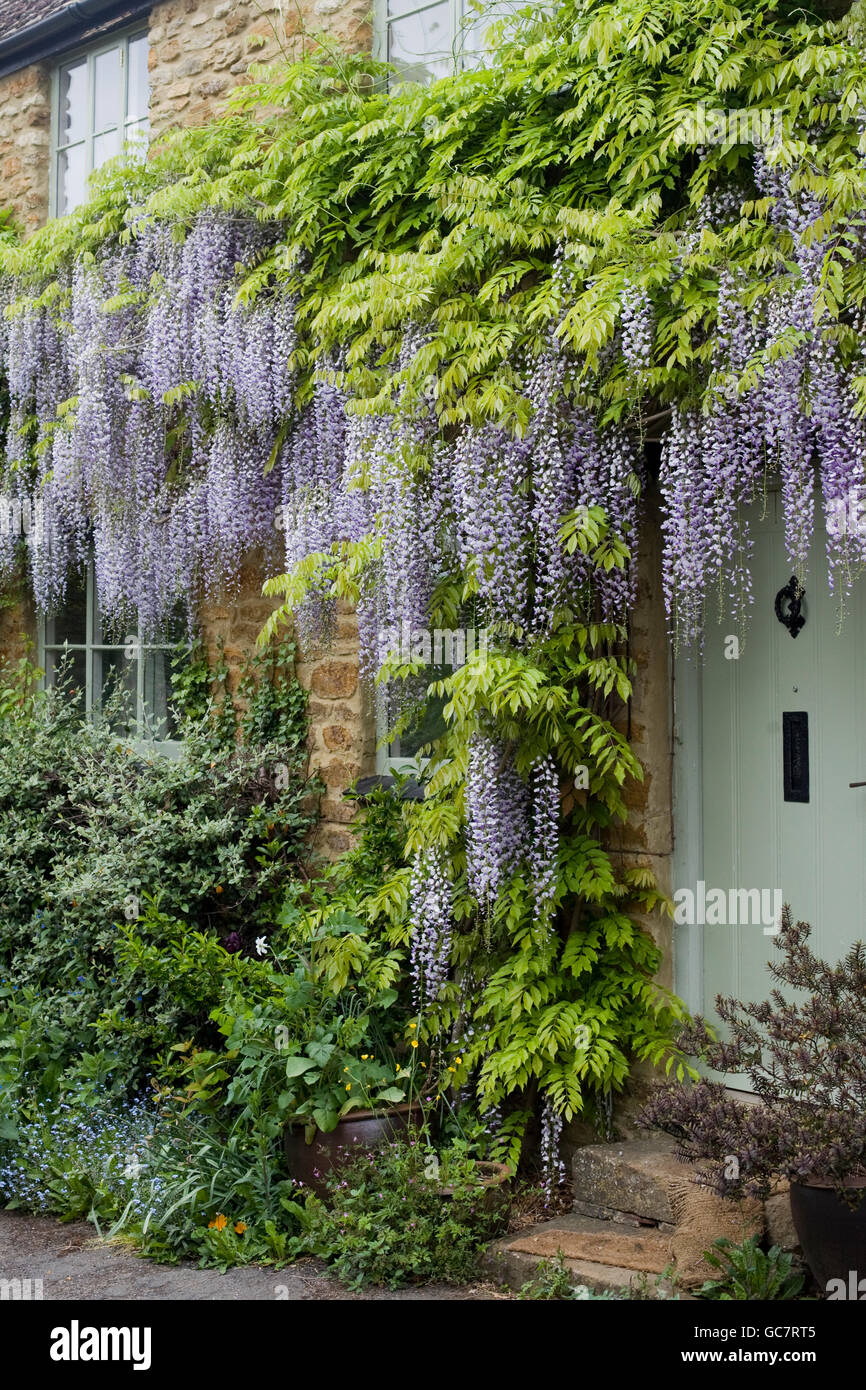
x: 496, y: 805
x: 793, y: 423
x: 636, y: 328
x: 544, y: 840
x: 430, y: 913
x: 552, y: 1165
x: 149, y: 401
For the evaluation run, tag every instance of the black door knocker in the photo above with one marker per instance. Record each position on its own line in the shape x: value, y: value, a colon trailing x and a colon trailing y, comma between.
x: 789, y: 601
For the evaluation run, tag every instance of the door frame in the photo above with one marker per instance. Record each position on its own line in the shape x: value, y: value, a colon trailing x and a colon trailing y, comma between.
x: 687, y: 860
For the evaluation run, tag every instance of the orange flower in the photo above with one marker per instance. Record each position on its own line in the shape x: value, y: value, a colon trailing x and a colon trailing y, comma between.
x: 240, y: 1227
x: 219, y: 1222
x: 219, y: 888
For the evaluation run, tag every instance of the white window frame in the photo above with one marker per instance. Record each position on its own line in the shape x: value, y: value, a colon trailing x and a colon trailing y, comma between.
x: 91, y: 52
x: 130, y: 645
x: 461, y: 12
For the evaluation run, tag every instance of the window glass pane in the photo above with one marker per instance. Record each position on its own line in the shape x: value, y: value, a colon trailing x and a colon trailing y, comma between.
x: 473, y: 39
x: 71, y: 178
x: 431, y: 724
x: 115, y: 679
x: 420, y: 44
x: 136, y: 141
x: 70, y: 624
x: 70, y: 667
x: 105, y: 147
x: 158, y: 720
x: 138, y: 91
x: 107, y: 89
x: 73, y: 103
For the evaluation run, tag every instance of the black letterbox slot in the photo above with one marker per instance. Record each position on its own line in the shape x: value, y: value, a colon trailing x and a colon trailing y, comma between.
x: 795, y: 755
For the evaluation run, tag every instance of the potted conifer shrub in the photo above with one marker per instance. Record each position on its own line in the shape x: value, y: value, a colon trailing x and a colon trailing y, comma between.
x: 804, y: 1053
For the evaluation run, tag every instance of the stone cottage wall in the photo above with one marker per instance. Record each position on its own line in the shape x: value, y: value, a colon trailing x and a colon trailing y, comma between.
x: 341, y: 742
x: 646, y: 838
x: 25, y: 125
x: 200, y: 49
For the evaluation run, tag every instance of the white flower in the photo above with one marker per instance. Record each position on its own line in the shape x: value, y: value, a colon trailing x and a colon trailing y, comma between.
x: 261, y: 946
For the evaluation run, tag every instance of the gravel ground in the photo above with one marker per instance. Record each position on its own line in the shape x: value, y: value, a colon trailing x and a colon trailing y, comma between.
x: 73, y: 1264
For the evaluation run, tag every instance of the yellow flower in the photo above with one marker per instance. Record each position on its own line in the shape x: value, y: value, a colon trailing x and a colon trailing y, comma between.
x: 450, y: 1068
x: 219, y: 1222
x: 240, y: 1227
x: 345, y: 1068
x: 423, y: 1064
x: 364, y: 1057
x: 413, y: 1026
x: 458, y: 1060
x: 398, y: 1066
x: 414, y: 1042
x: 348, y: 1085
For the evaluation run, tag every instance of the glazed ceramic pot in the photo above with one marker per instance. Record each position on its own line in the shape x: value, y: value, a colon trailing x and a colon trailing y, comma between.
x: 360, y: 1129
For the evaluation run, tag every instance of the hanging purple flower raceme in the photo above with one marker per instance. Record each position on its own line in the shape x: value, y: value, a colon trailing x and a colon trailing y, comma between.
x: 430, y: 913
x: 315, y: 514
x: 553, y: 491
x: 497, y: 817
x: 608, y: 473
x: 636, y: 327
x: 490, y: 480
x: 684, y: 525
x: 152, y: 446
x: 544, y: 841
x: 552, y: 1165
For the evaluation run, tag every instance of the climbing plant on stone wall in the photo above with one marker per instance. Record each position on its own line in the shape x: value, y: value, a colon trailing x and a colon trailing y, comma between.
x: 407, y: 343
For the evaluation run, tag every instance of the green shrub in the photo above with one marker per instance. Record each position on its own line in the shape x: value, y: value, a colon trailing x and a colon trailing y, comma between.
x: 91, y: 829
x: 386, y: 1221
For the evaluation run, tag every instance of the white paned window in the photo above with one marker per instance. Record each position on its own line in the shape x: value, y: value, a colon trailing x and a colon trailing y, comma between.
x: 426, y: 41
x: 401, y: 753
x: 97, y: 666
x: 100, y: 103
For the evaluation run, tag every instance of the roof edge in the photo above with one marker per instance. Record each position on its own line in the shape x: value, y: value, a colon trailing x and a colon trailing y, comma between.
x: 49, y: 36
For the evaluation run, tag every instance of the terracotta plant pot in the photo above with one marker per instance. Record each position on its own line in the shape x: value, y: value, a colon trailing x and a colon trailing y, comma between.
x: 361, y: 1129
x: 832, y: 1234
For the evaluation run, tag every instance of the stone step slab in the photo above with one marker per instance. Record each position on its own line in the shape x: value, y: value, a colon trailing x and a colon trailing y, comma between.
x: 627, y: 1180
x: 595, y: 1253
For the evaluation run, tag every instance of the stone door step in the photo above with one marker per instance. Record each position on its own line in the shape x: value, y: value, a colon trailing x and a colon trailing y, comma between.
x: 627, y: 1182
x: 605, y: 1260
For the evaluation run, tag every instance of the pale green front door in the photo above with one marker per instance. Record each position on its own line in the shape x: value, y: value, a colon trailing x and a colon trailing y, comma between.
x: 813, y: 850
